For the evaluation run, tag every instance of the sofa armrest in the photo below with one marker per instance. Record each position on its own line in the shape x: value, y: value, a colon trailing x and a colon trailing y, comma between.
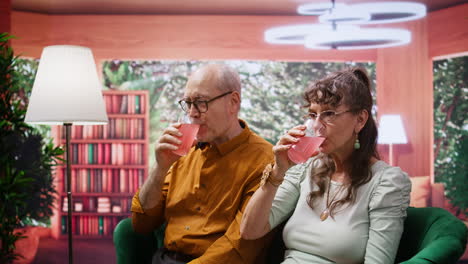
x: 443, y: 250
x: 431, y: 235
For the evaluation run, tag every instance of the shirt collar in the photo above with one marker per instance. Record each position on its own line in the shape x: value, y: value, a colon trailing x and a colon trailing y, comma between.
x: 230, y: 145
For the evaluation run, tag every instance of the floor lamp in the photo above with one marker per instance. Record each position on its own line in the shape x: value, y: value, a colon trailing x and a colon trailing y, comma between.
x: 67, y: 92
x: 391, y: 132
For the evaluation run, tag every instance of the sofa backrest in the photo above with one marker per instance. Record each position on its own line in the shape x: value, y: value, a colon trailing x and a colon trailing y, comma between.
x: 424, y: 194
x: 420, y: 191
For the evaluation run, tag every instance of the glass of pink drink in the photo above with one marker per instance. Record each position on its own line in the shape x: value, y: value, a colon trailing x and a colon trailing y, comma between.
x: 189, y: 132
x: 306, y: 146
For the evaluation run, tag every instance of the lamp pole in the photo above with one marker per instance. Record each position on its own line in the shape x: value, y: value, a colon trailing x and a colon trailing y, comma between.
x: 69, y: 193
x: 390, y: 154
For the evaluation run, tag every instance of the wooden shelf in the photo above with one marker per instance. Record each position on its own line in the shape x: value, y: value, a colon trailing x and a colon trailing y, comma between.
x: 107, y: 166
x: 116, y: 115
x: 95, y: 194
x: 97, y: 214
x: 62, y: 236
x: 124, y: 92
x: 106, y: 141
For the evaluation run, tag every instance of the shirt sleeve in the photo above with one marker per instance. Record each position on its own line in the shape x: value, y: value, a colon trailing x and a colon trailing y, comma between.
x: 145, y: 221
x: 230, y: 247
x: 288, y: 194
x: 387, y: 213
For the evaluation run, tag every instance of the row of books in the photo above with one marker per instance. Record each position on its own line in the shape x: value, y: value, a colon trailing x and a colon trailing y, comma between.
x: 104, y: 180
x: 117, y: 128
x: 125, y: 104
x: 98, y: 204
x: 91, y: 225
x: 107, y: 153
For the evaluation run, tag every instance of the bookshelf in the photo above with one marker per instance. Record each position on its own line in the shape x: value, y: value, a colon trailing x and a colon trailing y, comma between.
x: 108, y: 164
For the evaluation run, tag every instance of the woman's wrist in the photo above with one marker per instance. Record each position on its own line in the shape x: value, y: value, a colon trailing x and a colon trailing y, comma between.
x: 277, y: 174
x: 271, y: 175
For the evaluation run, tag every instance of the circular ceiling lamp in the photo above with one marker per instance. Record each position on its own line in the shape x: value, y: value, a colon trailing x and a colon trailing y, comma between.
x: 391, y: 12
x: 294, y: 34
x: 316, y: 9
x: 336, y: 29
x: 345, y: 15
x: 360, y: 38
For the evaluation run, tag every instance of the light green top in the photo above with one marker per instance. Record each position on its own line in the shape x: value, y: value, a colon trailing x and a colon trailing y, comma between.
x: 367, y: 231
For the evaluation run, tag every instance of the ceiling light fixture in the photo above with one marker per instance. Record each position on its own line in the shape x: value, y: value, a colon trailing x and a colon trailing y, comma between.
x: 345, y: 15
x: 316, y: 9
x: 335, y: 32
x: 392, y: 12
x: 347, y: 39
x: 296, y: 34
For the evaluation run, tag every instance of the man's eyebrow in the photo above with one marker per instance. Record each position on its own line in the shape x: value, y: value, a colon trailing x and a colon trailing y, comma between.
x: 196, y: 97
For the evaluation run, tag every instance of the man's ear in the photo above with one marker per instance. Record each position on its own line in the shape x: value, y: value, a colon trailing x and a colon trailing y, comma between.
x: 361, y: 120
x: 235, y: 101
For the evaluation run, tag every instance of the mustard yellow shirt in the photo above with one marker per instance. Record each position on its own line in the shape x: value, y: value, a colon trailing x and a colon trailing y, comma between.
x: 203, y: 197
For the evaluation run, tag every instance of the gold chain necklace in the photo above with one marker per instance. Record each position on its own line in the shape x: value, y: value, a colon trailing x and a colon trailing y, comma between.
x: 324, y: 215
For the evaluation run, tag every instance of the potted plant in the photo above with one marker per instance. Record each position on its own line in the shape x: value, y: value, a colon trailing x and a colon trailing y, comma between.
x: 27, y: 192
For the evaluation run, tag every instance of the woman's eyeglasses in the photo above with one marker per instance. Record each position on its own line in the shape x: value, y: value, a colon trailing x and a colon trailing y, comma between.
x: 327, y: 116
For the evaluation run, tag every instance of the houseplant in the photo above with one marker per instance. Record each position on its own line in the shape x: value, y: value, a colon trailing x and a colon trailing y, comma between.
x: 451, y: 130
x: 27, y: 159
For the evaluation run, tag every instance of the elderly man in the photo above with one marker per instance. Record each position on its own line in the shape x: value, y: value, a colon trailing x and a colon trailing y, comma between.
x: 201, y: 196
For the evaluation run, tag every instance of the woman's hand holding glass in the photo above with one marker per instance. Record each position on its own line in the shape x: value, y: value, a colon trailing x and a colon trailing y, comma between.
x: 296, y: 146
x: 291, y: 137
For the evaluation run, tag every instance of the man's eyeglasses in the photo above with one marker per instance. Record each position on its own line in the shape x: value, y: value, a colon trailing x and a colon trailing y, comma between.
x: 327, y: 116
x: 200, y: 105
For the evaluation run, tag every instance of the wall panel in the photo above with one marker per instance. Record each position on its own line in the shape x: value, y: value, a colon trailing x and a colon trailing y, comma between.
x: 404, y: 86
x: 5, y: 15
x: 448, y: 31
x: 166, y: 37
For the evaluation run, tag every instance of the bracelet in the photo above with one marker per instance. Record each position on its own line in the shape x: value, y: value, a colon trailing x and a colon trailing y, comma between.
x: 266, y: 176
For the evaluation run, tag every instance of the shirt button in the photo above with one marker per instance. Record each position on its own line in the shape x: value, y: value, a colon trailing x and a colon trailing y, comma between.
x: 187, y: 227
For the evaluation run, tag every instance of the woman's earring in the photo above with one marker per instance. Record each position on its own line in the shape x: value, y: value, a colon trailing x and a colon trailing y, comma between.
x: 357, y: 145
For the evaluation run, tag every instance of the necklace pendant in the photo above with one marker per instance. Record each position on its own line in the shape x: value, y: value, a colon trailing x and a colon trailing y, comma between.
x: 324, y: 215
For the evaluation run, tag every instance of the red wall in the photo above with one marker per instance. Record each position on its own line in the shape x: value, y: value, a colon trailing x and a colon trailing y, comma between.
x: 5, y: 15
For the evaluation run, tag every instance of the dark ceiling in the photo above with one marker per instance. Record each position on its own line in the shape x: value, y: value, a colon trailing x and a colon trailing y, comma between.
x: 191, y: 7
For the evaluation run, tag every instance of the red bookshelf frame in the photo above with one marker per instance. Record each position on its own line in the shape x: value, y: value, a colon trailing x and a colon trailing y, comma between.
x: 86, y: 224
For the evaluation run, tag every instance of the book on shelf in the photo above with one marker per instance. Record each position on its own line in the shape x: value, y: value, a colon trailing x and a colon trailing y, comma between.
x: 117, y: 128
x: 78, y: 207
x: 116, y: 209
x: 65, y: 204
x: 105, y: 180
x: 103, y: 205
x: 125, y: 104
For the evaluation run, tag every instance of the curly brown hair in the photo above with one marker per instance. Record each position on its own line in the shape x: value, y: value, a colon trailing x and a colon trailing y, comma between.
x: 350, y: 87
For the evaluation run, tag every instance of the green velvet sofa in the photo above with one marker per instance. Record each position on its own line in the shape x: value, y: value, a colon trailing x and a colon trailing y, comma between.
x: 431, y: 235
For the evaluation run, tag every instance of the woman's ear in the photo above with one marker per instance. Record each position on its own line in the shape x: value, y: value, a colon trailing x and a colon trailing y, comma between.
x: 361, y: 120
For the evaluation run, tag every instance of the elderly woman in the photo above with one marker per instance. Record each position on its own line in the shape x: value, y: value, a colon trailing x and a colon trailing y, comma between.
x: 343, y: 205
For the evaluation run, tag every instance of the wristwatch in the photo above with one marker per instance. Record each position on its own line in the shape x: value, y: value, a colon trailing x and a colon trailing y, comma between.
x: 266, y: 176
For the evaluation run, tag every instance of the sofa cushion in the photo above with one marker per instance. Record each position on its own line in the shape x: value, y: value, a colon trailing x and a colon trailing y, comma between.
x: 420, y: 191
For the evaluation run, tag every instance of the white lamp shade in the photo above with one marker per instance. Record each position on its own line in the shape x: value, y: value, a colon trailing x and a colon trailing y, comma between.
x: 66, y: 88
x: 391, y: 130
